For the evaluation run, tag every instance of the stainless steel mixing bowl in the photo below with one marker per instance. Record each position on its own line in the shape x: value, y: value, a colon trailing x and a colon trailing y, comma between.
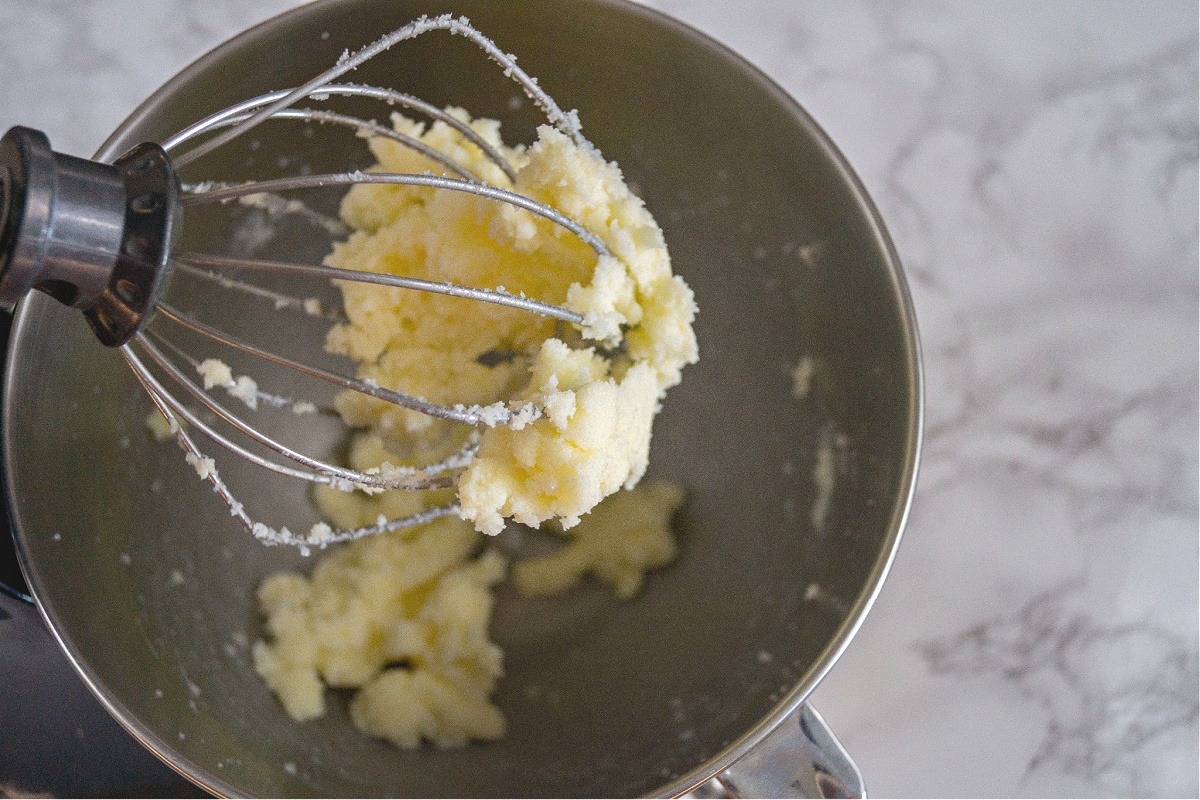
x: 789, y: 261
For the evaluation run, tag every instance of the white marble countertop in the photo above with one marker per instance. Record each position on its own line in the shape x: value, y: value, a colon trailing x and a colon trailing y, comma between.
x: 1037, y: 166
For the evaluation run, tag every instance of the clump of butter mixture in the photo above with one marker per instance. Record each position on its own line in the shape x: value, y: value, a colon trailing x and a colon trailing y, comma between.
x: 403, y: 617
x: 599, y: 392
x: 420, y: 600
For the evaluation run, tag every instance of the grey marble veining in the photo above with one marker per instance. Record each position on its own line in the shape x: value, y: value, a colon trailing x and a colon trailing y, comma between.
x: 1036, y: 164
x: 1109, y: 691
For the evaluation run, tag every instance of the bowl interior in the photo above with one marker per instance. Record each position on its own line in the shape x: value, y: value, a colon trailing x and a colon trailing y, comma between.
x: 795, y: 502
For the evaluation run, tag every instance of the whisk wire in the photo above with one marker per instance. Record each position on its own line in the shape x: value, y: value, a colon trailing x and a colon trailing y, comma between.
x: 493, y: 296
x: 243, y: 111
x: 447, y: 22
x: 227, y: 192
x: 469, y: 415
x: 311, y: 306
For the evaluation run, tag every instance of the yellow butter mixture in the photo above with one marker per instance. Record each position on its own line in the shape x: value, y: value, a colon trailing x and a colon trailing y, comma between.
x: 403, y: 618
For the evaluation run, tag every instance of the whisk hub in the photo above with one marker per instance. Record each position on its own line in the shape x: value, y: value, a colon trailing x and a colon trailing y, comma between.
x: 94, y: 236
